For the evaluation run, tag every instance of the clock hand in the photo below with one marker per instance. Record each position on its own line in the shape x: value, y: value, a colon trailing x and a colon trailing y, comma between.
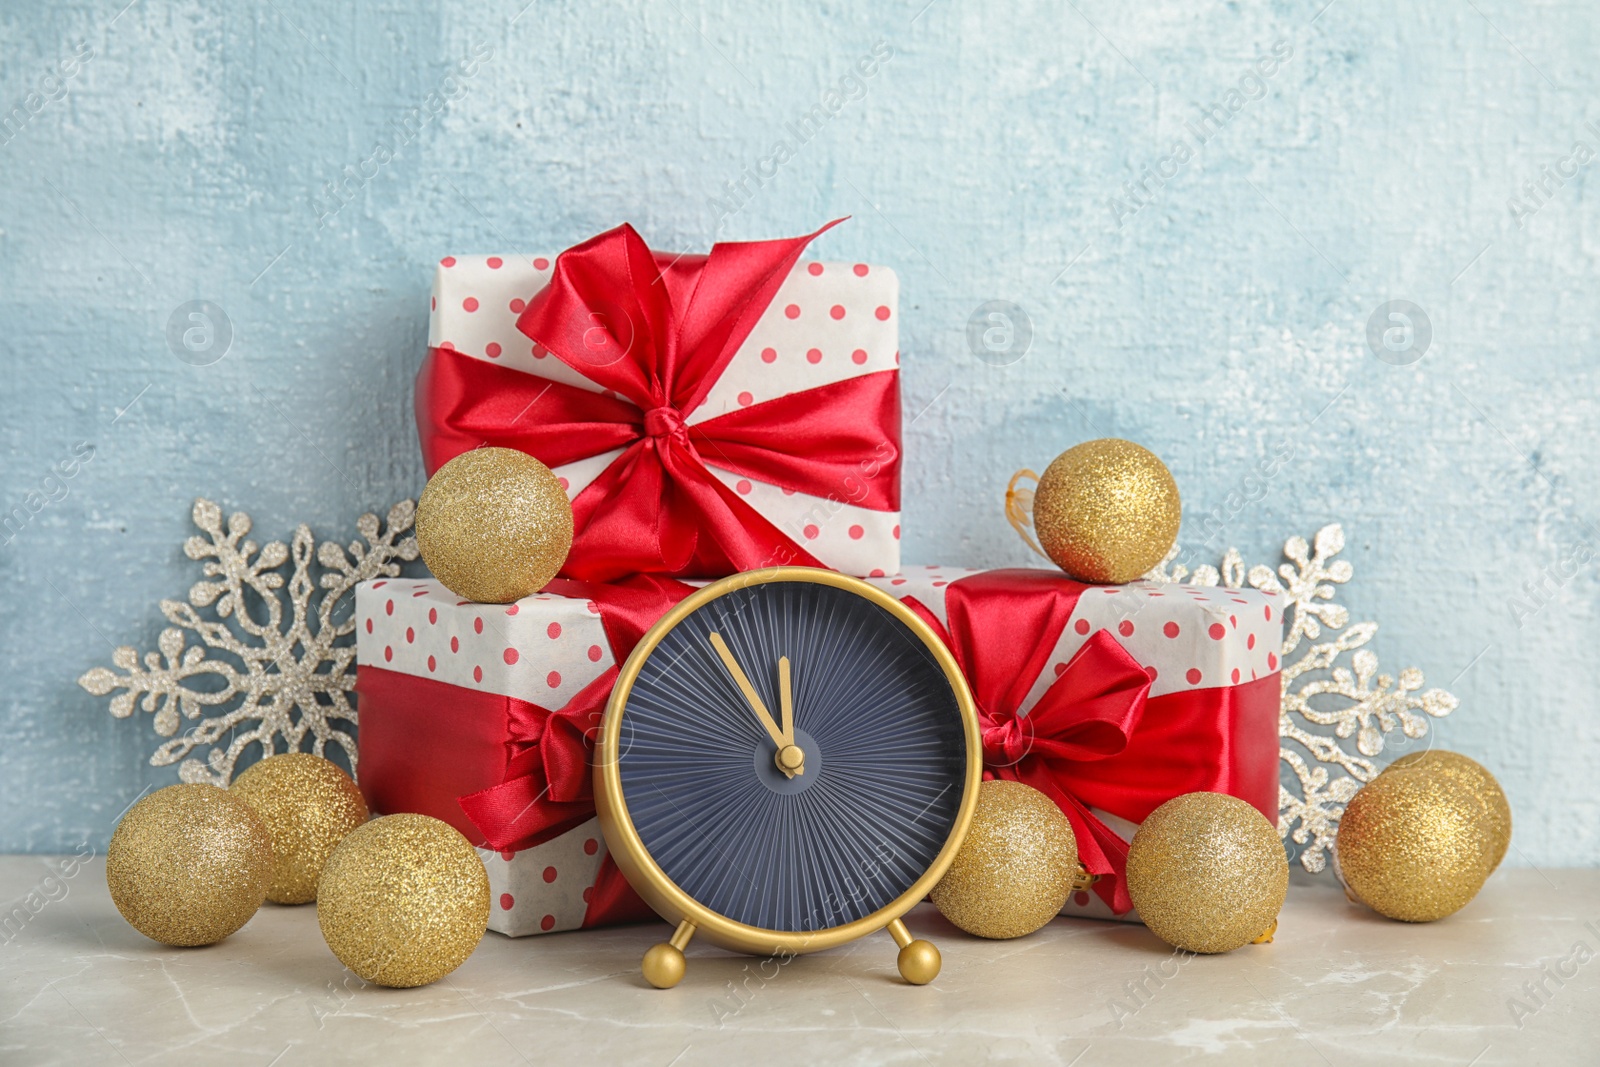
x: 793, y: 766
x: 791, y: 759
x: 750, y: 695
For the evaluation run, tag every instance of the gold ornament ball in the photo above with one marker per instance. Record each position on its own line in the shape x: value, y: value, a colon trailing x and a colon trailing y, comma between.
x: 1477, y: 780
x: 494, y: 525
x: 403, y: 900
x: 919, y: 962
x: 1106, y: 511
x: 308, y: 805
x: 1015, y: 868
x: 1419, y: 840
x: 189, y: 865
x: 1207, y: 873
x: 663, y: 965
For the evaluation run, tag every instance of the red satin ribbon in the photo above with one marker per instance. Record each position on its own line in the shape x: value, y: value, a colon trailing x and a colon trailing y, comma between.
x: 1096, y: 738
x: 657, y: 333
x: 518, y: 772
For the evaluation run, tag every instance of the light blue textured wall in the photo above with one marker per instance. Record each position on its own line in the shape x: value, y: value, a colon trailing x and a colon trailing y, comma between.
x: 187, y: 157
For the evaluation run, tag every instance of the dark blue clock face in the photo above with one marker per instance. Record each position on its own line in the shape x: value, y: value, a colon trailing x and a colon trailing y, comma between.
x: 879, y: 727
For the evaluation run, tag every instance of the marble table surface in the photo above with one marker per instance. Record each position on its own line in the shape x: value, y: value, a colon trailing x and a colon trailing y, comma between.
x: 1510, y: 979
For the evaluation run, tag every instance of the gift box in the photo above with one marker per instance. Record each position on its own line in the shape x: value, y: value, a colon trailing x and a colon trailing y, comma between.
x: 1113, y: 699
x: 707, y: 413
x: 482, y: 715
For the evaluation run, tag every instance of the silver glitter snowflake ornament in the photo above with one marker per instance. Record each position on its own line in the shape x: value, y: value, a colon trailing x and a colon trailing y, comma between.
x: 287, y: 666
x: 1325, y: 702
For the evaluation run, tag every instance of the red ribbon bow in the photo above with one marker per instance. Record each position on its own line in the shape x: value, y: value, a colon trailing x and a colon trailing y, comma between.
x: 548, y: 787
x: 1089, y: 713
x: 657, y: 333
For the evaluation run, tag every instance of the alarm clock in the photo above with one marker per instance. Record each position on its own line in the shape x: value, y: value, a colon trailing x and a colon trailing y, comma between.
x: 789, y: 761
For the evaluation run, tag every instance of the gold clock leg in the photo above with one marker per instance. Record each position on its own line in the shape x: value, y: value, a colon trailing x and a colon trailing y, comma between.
x: 664, y: 964
x: 919, y: 961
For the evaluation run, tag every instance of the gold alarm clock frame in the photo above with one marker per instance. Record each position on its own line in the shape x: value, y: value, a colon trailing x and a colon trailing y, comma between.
x: 664, y: 964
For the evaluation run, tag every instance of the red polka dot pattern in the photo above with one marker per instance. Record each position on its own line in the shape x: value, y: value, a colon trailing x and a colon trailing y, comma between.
x: 1195, y: 640
x: 547, y: 887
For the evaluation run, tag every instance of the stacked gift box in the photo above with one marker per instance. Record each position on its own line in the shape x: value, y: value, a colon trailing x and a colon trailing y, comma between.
x: 767, y: 433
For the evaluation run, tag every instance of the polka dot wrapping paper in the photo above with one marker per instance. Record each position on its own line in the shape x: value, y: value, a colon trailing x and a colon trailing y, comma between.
x: 829, y: 324
x: 543, y: 649
x: 1210, y: 647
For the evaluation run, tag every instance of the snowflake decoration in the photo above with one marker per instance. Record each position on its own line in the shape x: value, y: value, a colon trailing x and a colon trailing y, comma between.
x: 286, y: 678
x: 1352, y: 701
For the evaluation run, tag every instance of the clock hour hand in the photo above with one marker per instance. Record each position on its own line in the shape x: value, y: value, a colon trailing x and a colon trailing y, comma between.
x: 784, y: 741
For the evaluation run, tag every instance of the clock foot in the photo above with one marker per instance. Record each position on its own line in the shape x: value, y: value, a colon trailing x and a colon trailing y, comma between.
x: 919, y: 960
x: 664, y: 964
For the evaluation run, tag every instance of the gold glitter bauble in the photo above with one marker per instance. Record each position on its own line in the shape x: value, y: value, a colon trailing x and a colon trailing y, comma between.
x: 308, y: 805
x: 1207, y: 872
x: 1106, y: 511
x: 403, y: 900
x: 1419, y: 840
x: 189, y: 865
x: 494, y: 525
x: 1016, y: 866
x: 1477, y: 780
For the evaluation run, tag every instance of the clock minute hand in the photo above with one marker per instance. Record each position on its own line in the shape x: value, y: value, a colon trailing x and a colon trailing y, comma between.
x: 791, y: 759
x: 785, y: 700
x: 750, y: 695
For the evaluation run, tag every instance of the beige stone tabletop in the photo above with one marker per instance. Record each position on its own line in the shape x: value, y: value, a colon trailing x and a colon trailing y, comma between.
x: 1511, y: 979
